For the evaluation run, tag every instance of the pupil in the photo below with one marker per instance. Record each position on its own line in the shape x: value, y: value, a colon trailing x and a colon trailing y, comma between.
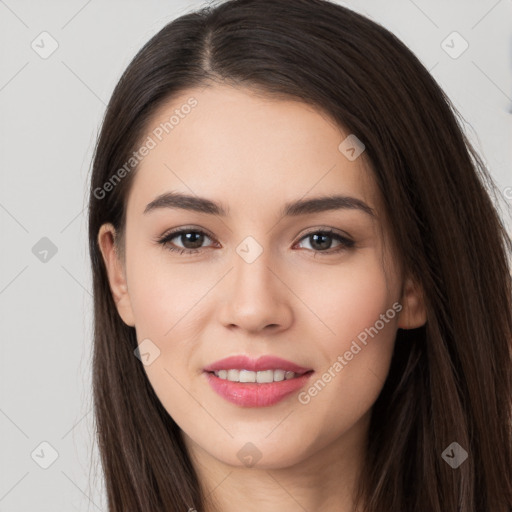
x: 195, y: 238
x: 324, y: 245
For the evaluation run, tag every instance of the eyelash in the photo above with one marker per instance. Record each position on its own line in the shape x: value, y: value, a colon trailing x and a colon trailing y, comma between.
x: 345, y: 243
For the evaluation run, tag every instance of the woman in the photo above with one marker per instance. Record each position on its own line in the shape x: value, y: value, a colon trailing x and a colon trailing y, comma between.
x: 302, y: 290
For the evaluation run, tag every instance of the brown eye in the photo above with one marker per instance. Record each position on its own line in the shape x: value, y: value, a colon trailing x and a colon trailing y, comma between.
x: 192, y: 240
x: 321, y: 241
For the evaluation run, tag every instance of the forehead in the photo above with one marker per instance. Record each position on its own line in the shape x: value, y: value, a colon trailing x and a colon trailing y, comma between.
x: 245, y: 150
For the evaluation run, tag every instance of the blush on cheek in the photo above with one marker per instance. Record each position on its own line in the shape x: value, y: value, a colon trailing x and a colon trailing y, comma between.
x: 163, y: 296
x: 357, y: 303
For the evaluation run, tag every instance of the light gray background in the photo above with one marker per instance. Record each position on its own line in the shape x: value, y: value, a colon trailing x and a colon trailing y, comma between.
x: 50, y: 113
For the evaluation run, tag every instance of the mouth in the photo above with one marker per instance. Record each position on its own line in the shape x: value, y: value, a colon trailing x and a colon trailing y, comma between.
x: 253, y: 393
x: 258, y: 382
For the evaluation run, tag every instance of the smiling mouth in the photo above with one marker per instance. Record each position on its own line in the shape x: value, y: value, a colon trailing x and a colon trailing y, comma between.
x: 259, y: 377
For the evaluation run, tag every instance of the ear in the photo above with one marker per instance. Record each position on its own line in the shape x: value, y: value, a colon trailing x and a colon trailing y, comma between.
x: 413, y: 313
x: 116, y: 273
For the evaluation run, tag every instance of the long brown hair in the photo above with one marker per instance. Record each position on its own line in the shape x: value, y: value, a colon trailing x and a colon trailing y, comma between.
x: 451, y: 380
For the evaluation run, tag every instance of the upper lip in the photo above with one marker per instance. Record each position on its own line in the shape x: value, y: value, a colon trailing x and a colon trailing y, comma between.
x: 267, y: 362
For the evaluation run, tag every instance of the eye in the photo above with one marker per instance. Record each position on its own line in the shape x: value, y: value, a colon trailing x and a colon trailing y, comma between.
x: 321, y: 241
x: 192, y: 240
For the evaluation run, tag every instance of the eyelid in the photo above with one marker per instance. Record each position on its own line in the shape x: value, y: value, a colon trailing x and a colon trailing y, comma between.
x: 329, y: 230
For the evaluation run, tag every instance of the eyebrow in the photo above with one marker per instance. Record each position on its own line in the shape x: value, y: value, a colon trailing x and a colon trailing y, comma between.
x: 291, y: 209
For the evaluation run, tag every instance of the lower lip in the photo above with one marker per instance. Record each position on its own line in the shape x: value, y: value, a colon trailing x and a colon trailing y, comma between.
x: 252, y: 394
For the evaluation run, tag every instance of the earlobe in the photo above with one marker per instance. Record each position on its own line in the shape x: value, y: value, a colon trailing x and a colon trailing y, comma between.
x: 414, y: 313
x: 116, y: 273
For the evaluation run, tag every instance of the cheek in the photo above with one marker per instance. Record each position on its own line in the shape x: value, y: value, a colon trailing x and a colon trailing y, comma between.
x: 360, y: 306
x: 165, y: 297
x: 166, y: 301
x: 349, y: 298
x: 168, y: 304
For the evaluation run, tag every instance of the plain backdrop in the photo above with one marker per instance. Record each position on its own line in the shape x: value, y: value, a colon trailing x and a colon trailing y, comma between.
x: 50, y: 113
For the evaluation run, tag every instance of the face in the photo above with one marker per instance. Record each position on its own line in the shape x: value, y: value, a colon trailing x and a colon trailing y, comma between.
x: 314, y: 285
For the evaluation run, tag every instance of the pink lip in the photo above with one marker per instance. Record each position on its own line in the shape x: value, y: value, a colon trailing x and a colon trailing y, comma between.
x: 252, y: 394
x: 255, y: 365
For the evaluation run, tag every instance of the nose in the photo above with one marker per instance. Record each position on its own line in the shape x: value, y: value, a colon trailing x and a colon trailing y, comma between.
x: 255, y: 297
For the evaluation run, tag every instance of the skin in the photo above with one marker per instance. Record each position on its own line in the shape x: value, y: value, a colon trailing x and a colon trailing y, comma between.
x: 247, y: 151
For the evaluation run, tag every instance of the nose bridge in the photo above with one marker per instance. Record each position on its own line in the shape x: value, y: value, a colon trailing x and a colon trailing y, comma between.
x: 251, y: 273
x: 254, y: 297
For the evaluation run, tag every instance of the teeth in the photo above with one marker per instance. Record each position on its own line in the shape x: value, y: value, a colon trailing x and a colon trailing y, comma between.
x: 249, y: 376
x: 233, y: 375
x: 266, y: 376
x: 278, y: 375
